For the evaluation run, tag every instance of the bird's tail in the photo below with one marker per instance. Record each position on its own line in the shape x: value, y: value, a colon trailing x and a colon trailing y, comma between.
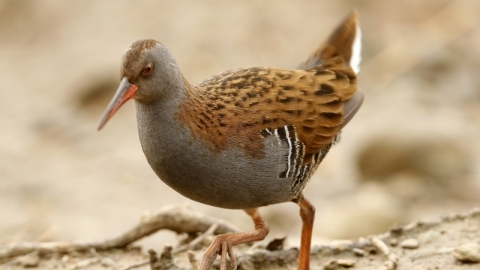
x: 345, y: 42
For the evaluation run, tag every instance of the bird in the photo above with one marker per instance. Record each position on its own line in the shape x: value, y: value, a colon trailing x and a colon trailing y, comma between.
x: 244, y: 138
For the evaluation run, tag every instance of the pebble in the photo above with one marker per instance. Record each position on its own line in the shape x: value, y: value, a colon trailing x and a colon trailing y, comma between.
x: 65, y: 258
x: 107, y: 262
x: 393, y: 242
x: 276, y: 244
x: 468, y: 252
x: 339, y: 264
x: 346, y: 262
x: 359, y: 252
x: 410, y: 243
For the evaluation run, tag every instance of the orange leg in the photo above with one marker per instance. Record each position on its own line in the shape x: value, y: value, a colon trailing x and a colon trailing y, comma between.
x: 222, y: 244
x: 307, y: 213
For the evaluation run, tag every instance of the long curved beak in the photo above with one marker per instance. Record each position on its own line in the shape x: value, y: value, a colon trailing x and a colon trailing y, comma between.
x: 124, y: 92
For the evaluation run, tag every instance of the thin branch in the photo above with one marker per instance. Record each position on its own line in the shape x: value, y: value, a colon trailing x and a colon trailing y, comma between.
x: 197, y: 240
x: 392, y: 260
x: 174, y: 218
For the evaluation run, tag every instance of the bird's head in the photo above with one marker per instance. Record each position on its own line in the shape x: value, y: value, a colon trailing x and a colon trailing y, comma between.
x: 148, y: 71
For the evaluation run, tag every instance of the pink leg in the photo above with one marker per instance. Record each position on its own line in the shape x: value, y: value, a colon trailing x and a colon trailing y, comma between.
x: 222, y: 244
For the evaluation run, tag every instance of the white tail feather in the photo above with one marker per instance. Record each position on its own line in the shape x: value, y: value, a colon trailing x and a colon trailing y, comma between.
x: 356, y: 51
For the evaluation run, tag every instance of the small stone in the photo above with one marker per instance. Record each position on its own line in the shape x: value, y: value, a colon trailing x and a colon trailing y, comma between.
x: 84, y: 263
x: 65, y: 258
x: 346, y: 262
x: 393, y: 242
x: 106, y: 261
x: 410, y: 243
x: 276, y: 244
x: 331, y: 265
x: 469, y: 252
x: 339, y: 264
x: 396, y: 230
x: 358, y: 252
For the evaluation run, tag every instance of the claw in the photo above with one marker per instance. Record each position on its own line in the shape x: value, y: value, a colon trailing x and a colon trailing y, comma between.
x: 222, y: 246
x: 233, y: 260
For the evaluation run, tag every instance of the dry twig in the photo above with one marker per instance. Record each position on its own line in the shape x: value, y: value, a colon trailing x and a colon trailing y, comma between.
x: 182, y: 248
x: 174, y: 218
x: 197, y: 240
x: 392, y: 260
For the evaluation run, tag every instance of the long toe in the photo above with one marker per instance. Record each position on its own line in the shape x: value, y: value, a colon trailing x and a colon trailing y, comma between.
x: 208, y: 258
x: 232, y: 258
x: 223, y: 247
x: 223, y: 260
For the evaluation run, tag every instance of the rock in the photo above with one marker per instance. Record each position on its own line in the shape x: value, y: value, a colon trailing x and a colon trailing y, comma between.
x: 346, y: 262
x: 359, y: 252
x: 393, y: 242
x: 339, y: 264
x: 425, y: 158
x: 107, y: 262
x: 276, y: 244
x: 468, y: 252
x: 410, y: 243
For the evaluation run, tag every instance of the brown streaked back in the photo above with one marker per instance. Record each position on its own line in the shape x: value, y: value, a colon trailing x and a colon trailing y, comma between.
x: 235, y: 106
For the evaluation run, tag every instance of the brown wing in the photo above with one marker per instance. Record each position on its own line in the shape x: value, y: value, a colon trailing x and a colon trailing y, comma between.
x: 235, y: 106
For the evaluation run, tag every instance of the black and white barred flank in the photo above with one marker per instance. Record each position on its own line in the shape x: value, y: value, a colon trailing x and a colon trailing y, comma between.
x: 296, y: 153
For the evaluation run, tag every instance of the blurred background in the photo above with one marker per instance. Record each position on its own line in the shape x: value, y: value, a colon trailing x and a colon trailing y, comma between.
x: 412, y: 151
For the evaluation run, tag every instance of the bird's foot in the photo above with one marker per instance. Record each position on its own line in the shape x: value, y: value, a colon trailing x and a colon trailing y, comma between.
x: 221, y: 245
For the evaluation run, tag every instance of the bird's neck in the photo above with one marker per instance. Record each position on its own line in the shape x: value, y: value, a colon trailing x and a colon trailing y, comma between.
x: 163, y: 111
x: 168, y: 143
x: 158, y: 125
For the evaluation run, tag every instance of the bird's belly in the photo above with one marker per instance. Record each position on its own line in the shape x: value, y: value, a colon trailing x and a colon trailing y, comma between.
x: 228, y: 179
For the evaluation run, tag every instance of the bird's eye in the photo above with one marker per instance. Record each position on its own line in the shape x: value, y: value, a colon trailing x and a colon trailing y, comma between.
x: 148, y: 69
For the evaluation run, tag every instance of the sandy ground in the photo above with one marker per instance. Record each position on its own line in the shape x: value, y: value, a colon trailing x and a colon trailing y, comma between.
x: 411, y: 152
x: 450, y: 242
